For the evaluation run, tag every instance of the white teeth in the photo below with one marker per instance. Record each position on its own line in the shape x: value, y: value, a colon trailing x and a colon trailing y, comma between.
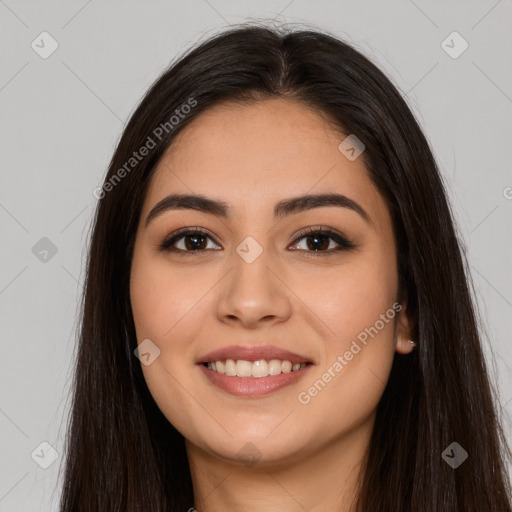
x: 230, y: 368
x: 257, y: 369
x: 286, y: 367
x: 274, y: 367
x: 243, y: 368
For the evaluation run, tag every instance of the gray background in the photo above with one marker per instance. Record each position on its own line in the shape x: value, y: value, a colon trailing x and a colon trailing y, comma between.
x: 62, y: 116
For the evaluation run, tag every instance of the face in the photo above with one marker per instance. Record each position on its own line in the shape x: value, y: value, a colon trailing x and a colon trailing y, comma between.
x: 318, y: 280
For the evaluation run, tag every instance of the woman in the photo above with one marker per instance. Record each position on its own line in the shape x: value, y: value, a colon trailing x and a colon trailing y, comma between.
x: 276, y: 313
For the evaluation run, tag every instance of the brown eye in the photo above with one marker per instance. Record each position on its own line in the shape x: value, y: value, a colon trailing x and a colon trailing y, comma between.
x: 317, y: 242
x: 187, y: 241
x: 320, y: 240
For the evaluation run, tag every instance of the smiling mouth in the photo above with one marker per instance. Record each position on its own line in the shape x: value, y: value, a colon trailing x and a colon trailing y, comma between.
x: 254, y: 369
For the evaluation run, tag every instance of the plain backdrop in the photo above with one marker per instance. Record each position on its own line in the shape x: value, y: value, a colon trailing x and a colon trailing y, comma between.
x: 62, y: 115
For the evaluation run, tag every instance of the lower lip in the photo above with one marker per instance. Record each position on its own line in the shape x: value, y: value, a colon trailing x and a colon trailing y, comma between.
x: 253, y: 386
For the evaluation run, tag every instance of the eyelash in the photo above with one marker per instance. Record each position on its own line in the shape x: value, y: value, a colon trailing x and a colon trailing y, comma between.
x: 343, y: 243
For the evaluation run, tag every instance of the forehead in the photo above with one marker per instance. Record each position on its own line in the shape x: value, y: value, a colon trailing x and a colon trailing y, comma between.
x: 261, y: 152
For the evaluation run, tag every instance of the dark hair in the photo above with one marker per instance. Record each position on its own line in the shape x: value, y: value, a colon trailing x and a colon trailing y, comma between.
x: 123, y: 454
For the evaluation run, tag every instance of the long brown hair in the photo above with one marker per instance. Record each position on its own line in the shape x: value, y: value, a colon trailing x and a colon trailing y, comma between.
x: 122, y: 454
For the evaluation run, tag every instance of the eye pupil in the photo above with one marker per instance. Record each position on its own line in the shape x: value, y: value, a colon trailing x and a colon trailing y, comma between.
x: 316, y: 239
x: 195, y: 244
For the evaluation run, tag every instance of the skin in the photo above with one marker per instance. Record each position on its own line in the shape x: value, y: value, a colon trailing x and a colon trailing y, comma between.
x: 251, y: 156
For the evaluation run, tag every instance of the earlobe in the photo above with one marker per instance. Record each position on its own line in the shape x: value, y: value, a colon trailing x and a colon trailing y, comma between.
x: 404, y: 344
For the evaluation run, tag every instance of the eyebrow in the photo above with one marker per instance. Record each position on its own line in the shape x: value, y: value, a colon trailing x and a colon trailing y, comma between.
x: 282, y: 209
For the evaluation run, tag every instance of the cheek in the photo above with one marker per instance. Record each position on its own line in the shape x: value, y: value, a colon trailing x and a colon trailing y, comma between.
x: 353, y: 374
x: 155, y: 306
x: 357, y: 308
x: 350, y: 297
x: 167, y: 309
x: 162, y: 296
x: 163, y: 307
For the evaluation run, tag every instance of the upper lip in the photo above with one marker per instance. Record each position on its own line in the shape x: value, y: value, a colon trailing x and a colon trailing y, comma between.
x: 252, y: 353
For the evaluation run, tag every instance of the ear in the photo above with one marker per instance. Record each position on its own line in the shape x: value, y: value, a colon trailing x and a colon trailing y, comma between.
x: 404, y: 331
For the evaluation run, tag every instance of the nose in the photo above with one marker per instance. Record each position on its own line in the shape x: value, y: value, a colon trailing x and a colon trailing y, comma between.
x: 253, y: 294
